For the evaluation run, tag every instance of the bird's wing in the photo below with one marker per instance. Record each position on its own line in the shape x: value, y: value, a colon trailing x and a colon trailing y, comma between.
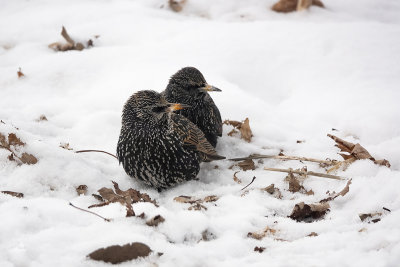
x: 194, y: 137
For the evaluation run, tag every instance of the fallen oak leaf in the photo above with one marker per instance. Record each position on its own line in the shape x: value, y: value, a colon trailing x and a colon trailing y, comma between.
x: 117, y: 254
x: 14, y: 194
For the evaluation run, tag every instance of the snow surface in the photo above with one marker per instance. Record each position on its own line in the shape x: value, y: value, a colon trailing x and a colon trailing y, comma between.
x: 296, y: 76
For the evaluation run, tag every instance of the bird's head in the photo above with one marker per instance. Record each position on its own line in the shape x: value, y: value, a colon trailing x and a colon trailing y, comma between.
x: 190, y: 82
x: 148, y: 106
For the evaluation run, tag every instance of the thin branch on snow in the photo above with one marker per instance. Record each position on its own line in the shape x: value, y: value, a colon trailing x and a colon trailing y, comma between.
x: 101, y: 151
x: 107, y: 220
x: 256, y: 156
x: 307, y: 173
x: 248, y: 184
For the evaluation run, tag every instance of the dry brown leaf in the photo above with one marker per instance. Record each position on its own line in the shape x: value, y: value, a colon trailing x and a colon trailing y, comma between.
x: 312, y: 234
x: 231, y: 133
x: 66, y: 146
x: 156, y: 220
x: 126, y: 198
x: 309, y: 192
x: 237, y: 180
x: 13, y: 140
x: 244, y: 128
x: 293, y: 5
x: 344, y: 191
x: 362, y: 230
x: 28, y: 159
x: 82, y: 189
x: 294, y: 184
x: 70, y: 45
x: 176, y: 5
x: 206, y: 235
x: 42, y: 118
x: 197, y: 206
x: 117, y: 254
x: 261, y: 235
x: 356, y: 151
x: 3, y: 141
x: 185, y: 199
x: 245, y: 131
x: 14, y: 194
x: 211, y: 198
x: 20, y: 74
x: 196, y: 203
x: 247, y: 164
x: 235, y: 124
x: 259, y: 249
x: 309, y: 212
x: 271, y: 189
x: 372, y: 217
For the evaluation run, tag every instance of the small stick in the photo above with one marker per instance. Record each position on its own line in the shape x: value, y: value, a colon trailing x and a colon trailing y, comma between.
x: 107, y: 220
x: 306, y: 173
x: 330, y: 162
x: 101, y: 151
x: 248, y: 184
x: 66, y: 36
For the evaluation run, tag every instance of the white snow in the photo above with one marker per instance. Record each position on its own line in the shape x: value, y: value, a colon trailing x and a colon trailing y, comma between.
x: 296, y: 76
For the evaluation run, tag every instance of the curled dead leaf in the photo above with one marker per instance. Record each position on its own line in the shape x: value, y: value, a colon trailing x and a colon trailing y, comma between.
x: 312, y: 234
x: 245, y: 131
x: 356, y: 151
x: 117, y: 254
x: 309, y: 212
x: 236, y: 179
x: 343, y: 192
x: 41, y: 118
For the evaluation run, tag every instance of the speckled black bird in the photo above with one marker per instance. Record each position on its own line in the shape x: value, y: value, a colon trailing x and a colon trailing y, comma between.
x: 188, y: 86
x: 157, y: 146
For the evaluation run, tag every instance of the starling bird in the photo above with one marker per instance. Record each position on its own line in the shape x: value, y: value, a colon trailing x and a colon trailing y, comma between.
x: 188, y: 86
x: 157, y: 146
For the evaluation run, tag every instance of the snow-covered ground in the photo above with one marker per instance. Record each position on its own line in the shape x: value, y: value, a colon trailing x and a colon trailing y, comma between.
x: 295, y: 76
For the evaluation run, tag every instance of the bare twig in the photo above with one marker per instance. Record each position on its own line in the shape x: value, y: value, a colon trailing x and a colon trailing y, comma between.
x: 101, y: 151
x: 306, y: 173
x: 248, y: 184
x: 257, y: 156
x: 107, y: 220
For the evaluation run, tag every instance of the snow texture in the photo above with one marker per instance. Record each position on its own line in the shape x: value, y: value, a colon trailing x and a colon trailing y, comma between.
x: 296, y: 76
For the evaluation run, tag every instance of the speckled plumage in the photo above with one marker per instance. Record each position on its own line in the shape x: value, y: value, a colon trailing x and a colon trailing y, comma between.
x: 158, y: 147
x: 187, y: 87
